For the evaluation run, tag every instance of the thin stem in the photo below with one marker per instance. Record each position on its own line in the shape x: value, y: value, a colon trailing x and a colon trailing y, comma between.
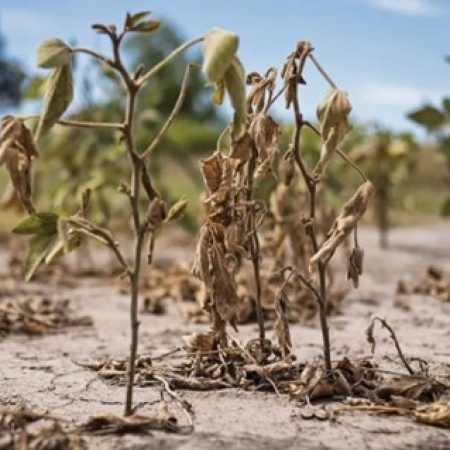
x: 322, y: 71
x: 174, y: 112
x: 311, y: 186
x: 100, y: 125
x: 94, y: 54
x: 155, y: 69
x: 349, y: 161
x: 254, y: 246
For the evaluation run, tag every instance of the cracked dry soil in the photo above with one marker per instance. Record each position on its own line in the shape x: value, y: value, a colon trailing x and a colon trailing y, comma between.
x: 42, y: 372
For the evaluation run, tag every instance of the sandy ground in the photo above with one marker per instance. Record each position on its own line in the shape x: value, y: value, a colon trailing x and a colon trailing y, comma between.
x: 42, y: 372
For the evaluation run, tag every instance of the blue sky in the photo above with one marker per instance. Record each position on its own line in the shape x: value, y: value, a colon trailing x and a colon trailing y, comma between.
x: 387, y: 54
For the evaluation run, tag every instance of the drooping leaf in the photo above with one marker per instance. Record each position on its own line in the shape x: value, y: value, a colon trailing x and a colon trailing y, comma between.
x: 58, y: 96
x: 53, y: 53
x: 235, y: 86
x: 429, y: 117
x: 219, y: 50
x: 147, y: 26
x: 40, y: 245
x: 177, y: 210
x: 60, y: 248
x: 41, y: 224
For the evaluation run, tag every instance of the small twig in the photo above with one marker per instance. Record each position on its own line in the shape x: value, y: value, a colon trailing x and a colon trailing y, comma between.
x: 185, y: 406
x: 95, y: 54
x: 173, y: 113
x: 349, y: 161
x: 371, y: 339
x: 167, y: 59
x: 99, y: 125
x: 322, y: 71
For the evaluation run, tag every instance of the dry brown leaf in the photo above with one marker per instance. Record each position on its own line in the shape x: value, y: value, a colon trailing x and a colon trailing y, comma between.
x: 437, y: 413
x: 346, y: 221
x: 282, y: 326
x: 355, y: 266
x: 414, y: 388
x: 17, y: 152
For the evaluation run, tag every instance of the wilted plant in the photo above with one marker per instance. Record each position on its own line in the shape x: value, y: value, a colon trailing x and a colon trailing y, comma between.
x: 54, y: 236
x: 230, y: 232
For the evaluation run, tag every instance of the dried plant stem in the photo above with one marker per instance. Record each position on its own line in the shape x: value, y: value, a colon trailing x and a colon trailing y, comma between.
x: 310, y: 224
x: 322, y: 71
x: 351, y: 163
x: 254, y: 245
x: 396, y: 343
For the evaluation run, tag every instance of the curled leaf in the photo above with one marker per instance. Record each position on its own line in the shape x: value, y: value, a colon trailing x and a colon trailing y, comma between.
x: 219, y: 50
x: 347, y: 219
x: 53, y: 53
x: 235, y: 86
x: 177, y: 210
x: 355, y: 265
x: 17, y: 151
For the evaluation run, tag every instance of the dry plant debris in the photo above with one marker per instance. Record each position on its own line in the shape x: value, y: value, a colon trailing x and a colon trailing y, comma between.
x: 21, y: 428
x: 435, y: 283
x: 36, y: 315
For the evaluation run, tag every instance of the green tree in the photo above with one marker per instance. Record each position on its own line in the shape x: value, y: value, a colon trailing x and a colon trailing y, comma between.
x: 11, y: 78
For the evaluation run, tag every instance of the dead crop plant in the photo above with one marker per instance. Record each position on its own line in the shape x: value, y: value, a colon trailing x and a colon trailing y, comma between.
x: 235, y: 210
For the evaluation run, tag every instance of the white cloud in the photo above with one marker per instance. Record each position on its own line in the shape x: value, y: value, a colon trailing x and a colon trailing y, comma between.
x: 410, y: 7
x: 398, y: 95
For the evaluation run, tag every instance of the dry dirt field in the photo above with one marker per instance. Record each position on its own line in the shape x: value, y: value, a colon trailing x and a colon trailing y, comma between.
x: 43, y: 372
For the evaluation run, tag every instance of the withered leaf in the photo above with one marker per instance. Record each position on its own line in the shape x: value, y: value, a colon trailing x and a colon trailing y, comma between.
x: 146, y: 26
x: 355, y: 265
x: 219, y: 50
x: 200, y: 342
x: 212, y: 171
x: 414, y: 388
x: 242, y: 148
x: 347, y: 219
x: 17, y: 151
x: 133, y: 19
x: 436, y: 413
x: 282, y: 326
x: 58, y: 96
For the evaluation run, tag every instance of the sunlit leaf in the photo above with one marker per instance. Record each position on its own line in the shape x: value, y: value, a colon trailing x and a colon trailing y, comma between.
x: 41, y: 224
x: 147, y: 26
x: 429, y: 117
x: 177, y: 210
x: 53, y: 53
x: 39, y: 247
x: 219, y: 50
x: 58, y: 95
x: 132, y: 19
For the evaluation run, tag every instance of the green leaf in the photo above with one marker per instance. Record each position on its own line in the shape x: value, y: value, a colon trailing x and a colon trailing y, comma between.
x: 177, y: 210
x: 132, y: 19
x: 429, y: 117
x: 41, y: 224
x: 58, y: 95
x: 446, y: 107
x: 146, y: 27
x: 445, y: 211
x: 60, y: 248
x: 219, y: 51
x: 39, y: 247
x: 34, y: 88
x: 53, y: 53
